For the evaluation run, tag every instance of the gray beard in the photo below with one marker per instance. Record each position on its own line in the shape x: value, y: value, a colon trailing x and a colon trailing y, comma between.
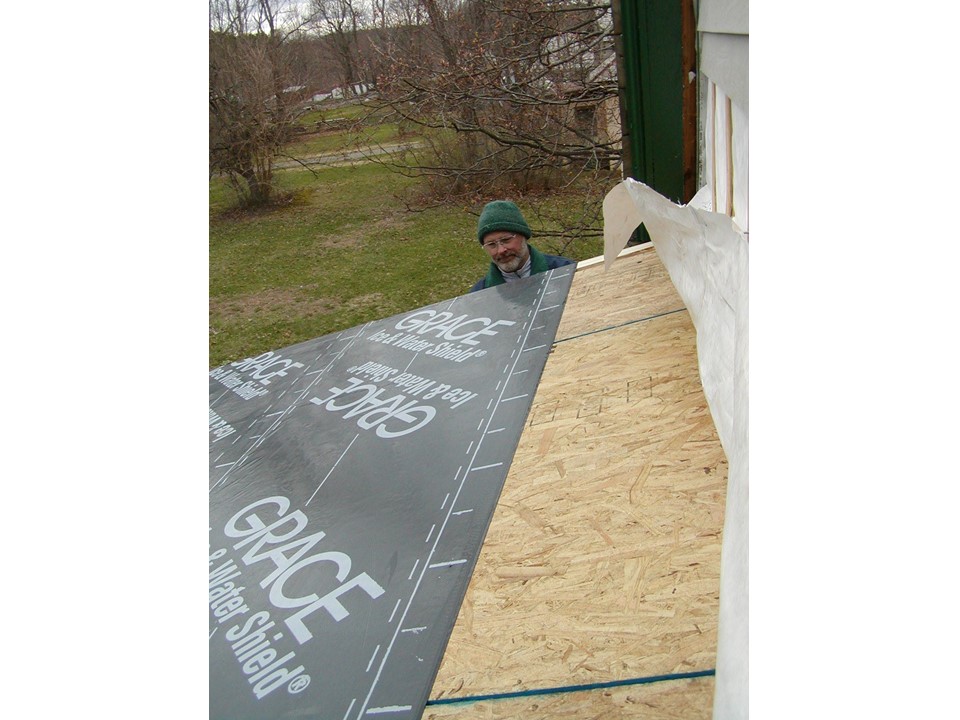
x: 514, y: 264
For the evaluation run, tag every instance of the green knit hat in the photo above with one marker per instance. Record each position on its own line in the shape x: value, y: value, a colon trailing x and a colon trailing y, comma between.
x: 502, y: 215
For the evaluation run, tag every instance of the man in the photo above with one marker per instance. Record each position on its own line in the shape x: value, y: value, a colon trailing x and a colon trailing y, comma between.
x: 503, y: 233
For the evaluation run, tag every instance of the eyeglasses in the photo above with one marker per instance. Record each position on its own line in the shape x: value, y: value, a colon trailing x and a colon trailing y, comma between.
x: 493, y: 244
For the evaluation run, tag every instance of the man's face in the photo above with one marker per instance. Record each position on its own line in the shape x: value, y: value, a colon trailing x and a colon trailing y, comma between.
x: 508, y: 250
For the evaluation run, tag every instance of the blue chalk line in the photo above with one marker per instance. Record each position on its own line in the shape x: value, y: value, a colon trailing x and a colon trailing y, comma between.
x: 574, y: 688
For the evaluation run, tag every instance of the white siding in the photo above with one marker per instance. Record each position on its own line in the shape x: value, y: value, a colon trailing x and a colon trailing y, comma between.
x: 722, y: 27
x: 724, y: 59
x: 723, y: 16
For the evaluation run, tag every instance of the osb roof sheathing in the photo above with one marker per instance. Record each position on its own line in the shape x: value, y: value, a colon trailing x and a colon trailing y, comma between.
x: 602, y: 561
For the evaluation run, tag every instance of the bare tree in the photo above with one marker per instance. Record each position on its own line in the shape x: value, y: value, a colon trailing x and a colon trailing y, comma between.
x: 340, y: 21
x: 511, y: 97
x: 394, y: 26
x: 254, y: 95
x: 516, y: 99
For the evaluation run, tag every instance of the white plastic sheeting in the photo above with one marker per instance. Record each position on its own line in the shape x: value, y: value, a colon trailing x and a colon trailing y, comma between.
x: 706, y: 256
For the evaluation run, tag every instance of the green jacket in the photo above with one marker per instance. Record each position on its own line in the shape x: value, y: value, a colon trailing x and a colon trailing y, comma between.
x: 539, y: 262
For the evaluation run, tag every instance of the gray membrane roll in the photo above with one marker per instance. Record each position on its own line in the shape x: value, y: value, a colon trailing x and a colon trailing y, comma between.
x: 352, y: 481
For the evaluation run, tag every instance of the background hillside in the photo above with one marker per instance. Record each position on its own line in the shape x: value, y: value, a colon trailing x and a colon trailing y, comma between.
x: 352, y: 146
x: 354, y: 241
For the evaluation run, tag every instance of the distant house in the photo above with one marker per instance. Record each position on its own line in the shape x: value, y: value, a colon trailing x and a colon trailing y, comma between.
x: 340, y: 93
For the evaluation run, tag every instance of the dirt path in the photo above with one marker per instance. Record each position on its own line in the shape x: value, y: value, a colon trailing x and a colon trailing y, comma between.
x: 344, y: 156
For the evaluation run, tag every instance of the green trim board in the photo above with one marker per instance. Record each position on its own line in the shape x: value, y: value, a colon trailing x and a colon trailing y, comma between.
x: 652, y: 80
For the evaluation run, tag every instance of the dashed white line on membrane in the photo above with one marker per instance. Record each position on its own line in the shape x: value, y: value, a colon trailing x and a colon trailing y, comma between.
x: 430, y: 534
x: 447, y: 563
x: 224, y: 465
x: 389, y: 709
x: 448, y: 495
x: 515, y: 397
x: 469, y: 447
x: 349, y: 708
x: 508, y: 368
x: 394, y: 611
x: 372, y: 658
x: 549, y: 308
x: 414, y: 569
x: 534, y: 348
x: 490, y: 432
x: 486, y: 467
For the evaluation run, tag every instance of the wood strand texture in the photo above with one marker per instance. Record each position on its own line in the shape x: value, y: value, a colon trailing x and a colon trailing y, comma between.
x: 602, y: 558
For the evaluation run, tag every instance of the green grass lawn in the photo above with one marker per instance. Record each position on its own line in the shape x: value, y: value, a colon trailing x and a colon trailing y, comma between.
x: 344, y: 252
